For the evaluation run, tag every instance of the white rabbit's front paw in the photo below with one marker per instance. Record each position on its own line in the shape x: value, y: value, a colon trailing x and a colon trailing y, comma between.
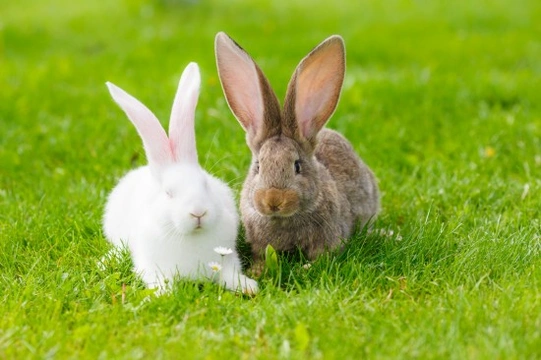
x: 248, y: 286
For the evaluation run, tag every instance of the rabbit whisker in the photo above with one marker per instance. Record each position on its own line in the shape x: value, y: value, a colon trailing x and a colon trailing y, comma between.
x: 172, y: 234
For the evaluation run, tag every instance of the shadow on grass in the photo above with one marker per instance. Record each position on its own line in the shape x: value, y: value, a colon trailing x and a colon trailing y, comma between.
x: 369, y: 257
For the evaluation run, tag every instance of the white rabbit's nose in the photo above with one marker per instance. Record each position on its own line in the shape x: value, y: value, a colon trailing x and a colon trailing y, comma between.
x: 198, y: 216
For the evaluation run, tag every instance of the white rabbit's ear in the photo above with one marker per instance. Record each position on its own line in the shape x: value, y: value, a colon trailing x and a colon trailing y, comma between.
x: 181, y: 124
x: 247, y: 90
x: 314, y: 89
x: 155, y: 140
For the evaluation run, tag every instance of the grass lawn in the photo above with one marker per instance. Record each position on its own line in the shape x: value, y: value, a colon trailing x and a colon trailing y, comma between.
x: 441, y: 99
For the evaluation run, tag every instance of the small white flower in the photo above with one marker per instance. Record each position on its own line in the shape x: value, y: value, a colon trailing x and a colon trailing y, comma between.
x: 215, y: 267
x: 223, y: 250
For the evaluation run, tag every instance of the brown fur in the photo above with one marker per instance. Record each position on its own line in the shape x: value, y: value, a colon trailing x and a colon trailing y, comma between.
x: 276, y: 202
x: 306, y: 188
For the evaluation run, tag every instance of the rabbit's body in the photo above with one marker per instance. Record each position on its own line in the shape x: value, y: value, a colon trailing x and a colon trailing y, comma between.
x: 123, y: 207
x: 171, y: 214
x: 132, y: 217
x: 306, y: 188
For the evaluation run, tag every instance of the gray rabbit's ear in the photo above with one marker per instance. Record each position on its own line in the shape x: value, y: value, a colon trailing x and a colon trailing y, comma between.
x: 314, y: 89
x: 155, y: 140
x: 247, y: 91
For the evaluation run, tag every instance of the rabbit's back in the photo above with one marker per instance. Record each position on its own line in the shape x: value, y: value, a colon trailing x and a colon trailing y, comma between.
x: 127, y: 205
x: 355, y: 182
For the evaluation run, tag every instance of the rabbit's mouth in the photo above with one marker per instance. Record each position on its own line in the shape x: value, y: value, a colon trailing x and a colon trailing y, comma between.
x: 198, y: 218
x: 198, y: 228
x: 276, y: 202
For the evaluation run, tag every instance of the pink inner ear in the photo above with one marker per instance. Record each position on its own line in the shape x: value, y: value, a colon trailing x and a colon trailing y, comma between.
x: 318, y: 84
x: 155, y: 141
x: 240, y: 82
x: 312, y: 105
x: 181, y: 123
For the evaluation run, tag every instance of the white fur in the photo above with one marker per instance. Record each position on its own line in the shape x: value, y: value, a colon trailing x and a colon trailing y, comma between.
x: 149, y: 209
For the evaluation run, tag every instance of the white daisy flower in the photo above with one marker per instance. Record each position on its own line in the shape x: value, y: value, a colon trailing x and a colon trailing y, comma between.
x: 223, y: 250
x: 214, y: 266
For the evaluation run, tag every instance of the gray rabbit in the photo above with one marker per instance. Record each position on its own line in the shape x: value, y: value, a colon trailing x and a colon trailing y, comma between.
x: 306, y: 188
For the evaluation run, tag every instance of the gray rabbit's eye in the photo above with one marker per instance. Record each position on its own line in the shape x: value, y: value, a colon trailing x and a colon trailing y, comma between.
x: 297, y: 166
x: 256, y: 167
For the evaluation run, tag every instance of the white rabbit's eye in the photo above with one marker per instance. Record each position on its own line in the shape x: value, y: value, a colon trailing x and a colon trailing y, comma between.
x: 297, y: 166
x: 169, y: 194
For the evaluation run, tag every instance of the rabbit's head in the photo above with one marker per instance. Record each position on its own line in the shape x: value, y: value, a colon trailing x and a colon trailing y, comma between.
x: 284, y: 176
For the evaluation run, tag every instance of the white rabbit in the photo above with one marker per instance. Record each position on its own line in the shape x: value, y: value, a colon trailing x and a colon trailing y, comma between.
x: 171, y: 214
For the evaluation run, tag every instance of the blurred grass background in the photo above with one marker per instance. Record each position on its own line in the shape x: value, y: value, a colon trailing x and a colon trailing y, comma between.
x: 441, y: 99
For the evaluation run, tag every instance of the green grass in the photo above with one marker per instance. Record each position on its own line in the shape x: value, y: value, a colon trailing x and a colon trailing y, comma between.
x: 441, y: 99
